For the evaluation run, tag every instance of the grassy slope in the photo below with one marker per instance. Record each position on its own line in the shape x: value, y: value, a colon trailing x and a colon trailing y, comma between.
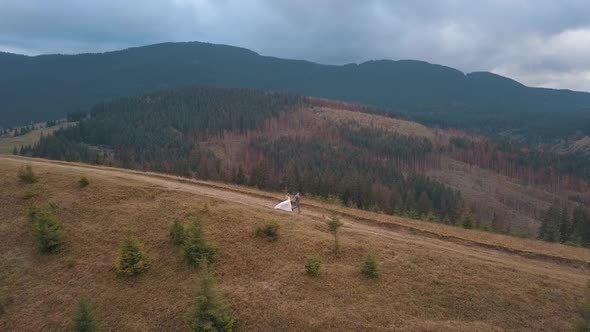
x: 7, y: 143
x: 422, y: 288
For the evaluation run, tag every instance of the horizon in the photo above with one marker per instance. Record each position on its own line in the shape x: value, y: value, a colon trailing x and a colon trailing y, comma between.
x: 538, y: 43
x: 295, y: 59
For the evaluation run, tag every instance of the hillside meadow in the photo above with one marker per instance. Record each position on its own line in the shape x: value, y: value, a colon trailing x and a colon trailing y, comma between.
x: 422, y: 287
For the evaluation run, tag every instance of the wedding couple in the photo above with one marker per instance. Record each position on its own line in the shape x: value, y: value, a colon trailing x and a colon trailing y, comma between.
x: 290, y: 204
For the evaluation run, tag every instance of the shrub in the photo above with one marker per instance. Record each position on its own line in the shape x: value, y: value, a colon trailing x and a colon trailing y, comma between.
x: 271, y: 231
x: 195, y: 246
x: 313, y: 265
x: 83, y: 182
x: 468, y: 221
x: 334, y: 225
x: 28, y: 195
x: 84, y: 320
x: 26, y: 175
x: 35, y: 212
x: 48, y: 232
x: 370, y: 267
x: 177, y: 232
x: 210, y: 312
x: 131, y: 260
x: 69, y: 262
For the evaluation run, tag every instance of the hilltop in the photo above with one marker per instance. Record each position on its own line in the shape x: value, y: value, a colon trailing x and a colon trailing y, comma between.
x: 47, y: 87
x: 434, y: 277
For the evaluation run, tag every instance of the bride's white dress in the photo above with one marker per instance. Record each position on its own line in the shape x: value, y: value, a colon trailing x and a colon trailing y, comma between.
x: 285, y: 205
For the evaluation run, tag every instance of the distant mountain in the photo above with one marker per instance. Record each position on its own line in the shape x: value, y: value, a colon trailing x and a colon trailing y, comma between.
x: 49, y: 86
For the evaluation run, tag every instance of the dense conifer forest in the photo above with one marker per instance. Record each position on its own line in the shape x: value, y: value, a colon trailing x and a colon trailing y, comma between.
x: 431, y: 94
x: 171, y: 132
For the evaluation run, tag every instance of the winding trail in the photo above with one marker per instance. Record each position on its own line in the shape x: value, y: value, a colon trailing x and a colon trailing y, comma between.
x: 563, y: 269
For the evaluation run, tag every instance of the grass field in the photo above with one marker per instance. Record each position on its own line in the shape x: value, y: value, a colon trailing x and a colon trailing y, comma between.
x: 7, y: 144
x: 427, y: 283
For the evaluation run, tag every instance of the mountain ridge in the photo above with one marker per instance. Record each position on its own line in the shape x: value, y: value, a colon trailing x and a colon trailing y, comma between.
x: 49, y: 86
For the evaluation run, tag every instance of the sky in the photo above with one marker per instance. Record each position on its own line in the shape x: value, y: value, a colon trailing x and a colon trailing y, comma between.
x: 537, y: 42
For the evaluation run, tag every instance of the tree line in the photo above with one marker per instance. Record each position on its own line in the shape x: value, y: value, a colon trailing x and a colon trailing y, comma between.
x: 168, y: 132
x: 559, y: 225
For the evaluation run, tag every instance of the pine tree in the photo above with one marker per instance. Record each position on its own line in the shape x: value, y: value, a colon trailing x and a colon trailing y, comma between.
x: 84, y: 320
x: 552, y: 233
x: 424, y: 204
x: 549, y: 230
x: 195, y: 246
x: 468, y: 220
x: 564, y: 225
x: 370, y: 267
x: 240, y: 177
x: 177, y: 232
x: 48, y: 231
x: 131, y: 260
x: 495, y: 224
x: 334, y: 225
x: 210, y: 312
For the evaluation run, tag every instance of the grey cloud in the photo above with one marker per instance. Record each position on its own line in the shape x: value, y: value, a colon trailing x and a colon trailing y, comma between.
x: 538, y: 42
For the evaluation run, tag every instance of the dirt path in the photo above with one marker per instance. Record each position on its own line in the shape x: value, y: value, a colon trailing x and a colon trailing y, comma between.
x: 498, y: 258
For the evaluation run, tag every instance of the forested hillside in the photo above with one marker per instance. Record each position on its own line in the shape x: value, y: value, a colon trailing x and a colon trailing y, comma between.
x: 343, y: 153
x: 49, y: 86
x: 182, y: 132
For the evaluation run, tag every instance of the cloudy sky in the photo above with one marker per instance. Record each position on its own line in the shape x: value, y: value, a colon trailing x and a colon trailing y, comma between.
x: 538, y: 42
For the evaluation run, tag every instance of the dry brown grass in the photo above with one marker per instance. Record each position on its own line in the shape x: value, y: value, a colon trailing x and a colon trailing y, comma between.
x: 399, y: 126
x: 424, y: 286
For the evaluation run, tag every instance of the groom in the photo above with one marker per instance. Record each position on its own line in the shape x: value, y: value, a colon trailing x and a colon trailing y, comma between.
x: 297, y: 201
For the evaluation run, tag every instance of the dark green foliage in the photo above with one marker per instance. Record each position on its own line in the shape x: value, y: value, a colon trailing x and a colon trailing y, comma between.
x: 28, y: 195
x: 549, y: 230
x: 177, y: 232
x: 76, y: 116
x: 370, y: 267
x: 26, y: 175
x: 84, y: 320
x: 270, y: 231
x: 357, y: 175
x: 313, y: 265
x: 558, y: 226
x: 195, y: 245
x: 83, y: 182
x: 210, y: 314
x: 160, y: 132
x: 48, y: 232
x: 385, y: 143
x: 240, y: 177
x: 131, y: 259
x: 468, y: 221
x: 432, y: 94
x: 15, y: 151
x: 334, y: 225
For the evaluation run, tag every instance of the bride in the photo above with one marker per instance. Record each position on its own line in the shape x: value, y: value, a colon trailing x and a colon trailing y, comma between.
x: 285, y: 205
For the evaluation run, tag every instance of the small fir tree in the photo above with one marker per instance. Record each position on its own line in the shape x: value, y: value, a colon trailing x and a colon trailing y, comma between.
x: 334, y: 225
x: 84, y: 320
x: 370, y: 267
x: 210, y: 312
x: 195, y: 246
x: 132, y: 259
